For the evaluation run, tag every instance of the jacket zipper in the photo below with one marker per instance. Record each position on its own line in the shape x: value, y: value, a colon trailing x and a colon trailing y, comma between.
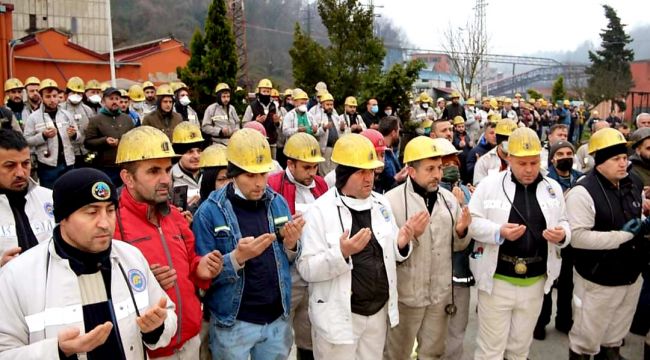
x: 179, y: 301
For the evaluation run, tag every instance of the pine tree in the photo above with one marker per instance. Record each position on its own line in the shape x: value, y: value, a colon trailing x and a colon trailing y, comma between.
x: 213, y: 57
x: 610, y: 75
x: 308, y: 61
x: 558, y: 93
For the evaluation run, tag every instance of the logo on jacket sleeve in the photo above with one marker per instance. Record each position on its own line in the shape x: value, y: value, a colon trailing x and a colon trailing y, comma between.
x: 384, y: 213
x: 137, y: 280
x: 49, y: 209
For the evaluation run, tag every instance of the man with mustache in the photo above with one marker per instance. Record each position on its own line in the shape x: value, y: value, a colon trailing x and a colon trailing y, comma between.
x: 188, y: 143
x: 147, y: 221
x: 81, y: 293
x: 17, y: 111
x: 26, y: 216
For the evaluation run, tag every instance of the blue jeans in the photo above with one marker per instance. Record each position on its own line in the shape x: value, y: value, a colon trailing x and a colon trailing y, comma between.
x: 47, y: 175
x: 271, y: 341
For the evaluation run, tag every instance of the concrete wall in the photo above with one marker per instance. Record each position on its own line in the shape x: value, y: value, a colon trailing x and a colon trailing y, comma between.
x: 89, y: 15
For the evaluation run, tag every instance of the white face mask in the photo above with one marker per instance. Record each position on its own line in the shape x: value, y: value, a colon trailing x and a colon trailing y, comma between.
x: 515, y: 104
x: 137, y: 105
x: 425, y: 106
x: 302, y: 108
x: 388, y: 112
x: 75, y: 98
x: 95, y: 99
x: 277, y: 104
x: 471, y: 108
x: 184, y: 100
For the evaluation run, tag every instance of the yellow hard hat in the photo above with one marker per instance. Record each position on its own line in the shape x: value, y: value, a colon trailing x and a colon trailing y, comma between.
x: 458, y: 120
x: 178, y: 85
x: 594, y: 113
x: 326, y: 97
x: 300, y: 95
x: 164, y: 90
x: 239, y: 88
x: 357, y: 151
x: 567, y: 102
x: 136, y: 93
x: 32, y: 80
x: 12, y: 84
x: 446, y: 147
x: 93, y: 85
x: 350, y: 101
x: 48, y: 84
x: 321, y: 92
x: 471, y: 101
x: 249, y: 150
x: 494, y: 103
x: 320, y: 86
x: 425, y: 98
x: 186, y: 133
x: 148, y: 84
x: 265, y: 83
x: 421, y: 147
x: 303, y: 147
x: 426, y: 124
x: 288, y: 92
x: 455, y: 94
x: 524, y: 142
x: 124, y: 93
x: 221, y: 86
x: 501, y: 98
x: 605, y: 138
x: 507, y: 101
x: 213, y: 156
x: 544, y: 102
x: 494, y: 118
x: 275, y: 93
x: 143, y: 143
x: 531, y: 101
x: 518, y: 95
x: 75, y: 84
x: 505, y: 127
x: 105, y: 85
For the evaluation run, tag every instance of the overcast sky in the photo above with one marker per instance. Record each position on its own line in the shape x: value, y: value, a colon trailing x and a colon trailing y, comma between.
x: 542, y: 25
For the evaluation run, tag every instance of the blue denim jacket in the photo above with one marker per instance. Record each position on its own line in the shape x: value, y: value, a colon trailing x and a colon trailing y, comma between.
x: 215, y: 227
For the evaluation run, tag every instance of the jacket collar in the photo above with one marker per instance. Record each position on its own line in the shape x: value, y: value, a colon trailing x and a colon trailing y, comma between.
x: 139, y: 208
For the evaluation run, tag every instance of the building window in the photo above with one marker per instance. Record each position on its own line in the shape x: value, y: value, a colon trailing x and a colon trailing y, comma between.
x: 32, y: 22
x: 448, y: 84
x: 73, y: 24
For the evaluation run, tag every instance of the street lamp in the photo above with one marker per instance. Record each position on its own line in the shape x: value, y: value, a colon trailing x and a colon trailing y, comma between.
x: 12, y: 44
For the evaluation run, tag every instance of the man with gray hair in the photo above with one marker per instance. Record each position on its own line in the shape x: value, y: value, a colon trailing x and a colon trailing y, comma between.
x: 642, y: 120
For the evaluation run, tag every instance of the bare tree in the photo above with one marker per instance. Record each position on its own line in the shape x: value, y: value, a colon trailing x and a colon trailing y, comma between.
x: 466, y: 48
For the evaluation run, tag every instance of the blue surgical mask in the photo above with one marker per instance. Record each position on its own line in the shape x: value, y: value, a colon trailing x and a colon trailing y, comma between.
x: 374, y: 109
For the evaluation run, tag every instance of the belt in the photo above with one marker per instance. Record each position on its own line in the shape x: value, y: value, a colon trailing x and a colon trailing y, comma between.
x: 521, y: 264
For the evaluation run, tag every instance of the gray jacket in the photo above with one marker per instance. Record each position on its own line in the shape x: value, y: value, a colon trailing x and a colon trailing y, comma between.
x: 38, y: 122
x: 216, y: 118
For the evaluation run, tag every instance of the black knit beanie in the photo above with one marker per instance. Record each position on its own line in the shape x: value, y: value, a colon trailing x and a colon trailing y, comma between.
x: 343, y: 173
x: 80, y: 187
x: 607, y: 153
x: 234, y: 170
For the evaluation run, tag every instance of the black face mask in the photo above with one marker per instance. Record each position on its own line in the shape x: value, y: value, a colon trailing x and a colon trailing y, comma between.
x: 264, y: 99
x: 564, y: 164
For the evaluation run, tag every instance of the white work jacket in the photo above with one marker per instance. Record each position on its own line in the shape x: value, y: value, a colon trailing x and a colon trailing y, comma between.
x: 329, y: 275
x: 38, y: 121
x: 38, y: 209
x: 490, y: 207
x: 215, y: 118
x: 488, y: 164
x: 40, y: 296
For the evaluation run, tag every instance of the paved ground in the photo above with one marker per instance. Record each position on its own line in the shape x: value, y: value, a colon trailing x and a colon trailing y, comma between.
x: 555, y: 347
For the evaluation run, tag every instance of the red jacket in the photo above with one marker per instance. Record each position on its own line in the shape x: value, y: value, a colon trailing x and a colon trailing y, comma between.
x: 172, y: 244
x: 281, y: 185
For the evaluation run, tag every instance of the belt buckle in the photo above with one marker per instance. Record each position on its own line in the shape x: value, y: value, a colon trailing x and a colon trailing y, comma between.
x: 520, y: 267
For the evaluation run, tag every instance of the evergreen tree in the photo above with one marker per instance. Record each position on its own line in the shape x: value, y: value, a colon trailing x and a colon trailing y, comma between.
x: 213, y: 57
x: 610, y: 75
x: 558, y: 93
x: 309, y: 61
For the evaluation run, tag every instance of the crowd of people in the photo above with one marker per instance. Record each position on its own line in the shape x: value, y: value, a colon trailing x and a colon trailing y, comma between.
x: 133, y: 227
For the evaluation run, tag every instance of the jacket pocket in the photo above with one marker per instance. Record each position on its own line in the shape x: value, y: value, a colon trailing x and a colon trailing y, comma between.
x: 137, y: 240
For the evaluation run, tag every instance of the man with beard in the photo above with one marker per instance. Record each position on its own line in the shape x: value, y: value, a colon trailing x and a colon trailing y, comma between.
x: 80, y: 112
x: 25, y: 207
x: 462, y: 142
x: 442, y: 129
x: 424, y: 280
x: 188, y: 143
x: 93, y: 95
x: 125, y: 107
x: 150, y: 103
x: 351, y: 121
x: 163, y: 118
x: 17, y: 113
x: 455, y: 108
x: 220, y: 119
x: 32, y: 85
x: 182, y: 103
x: 300, y: 186
x: 53, y: 134
x: 325, y: 114
x: 104, y: 132
x: 640, y: 141
x: 264, y: 111
x: 147, y: 221
x: 494, y: 160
